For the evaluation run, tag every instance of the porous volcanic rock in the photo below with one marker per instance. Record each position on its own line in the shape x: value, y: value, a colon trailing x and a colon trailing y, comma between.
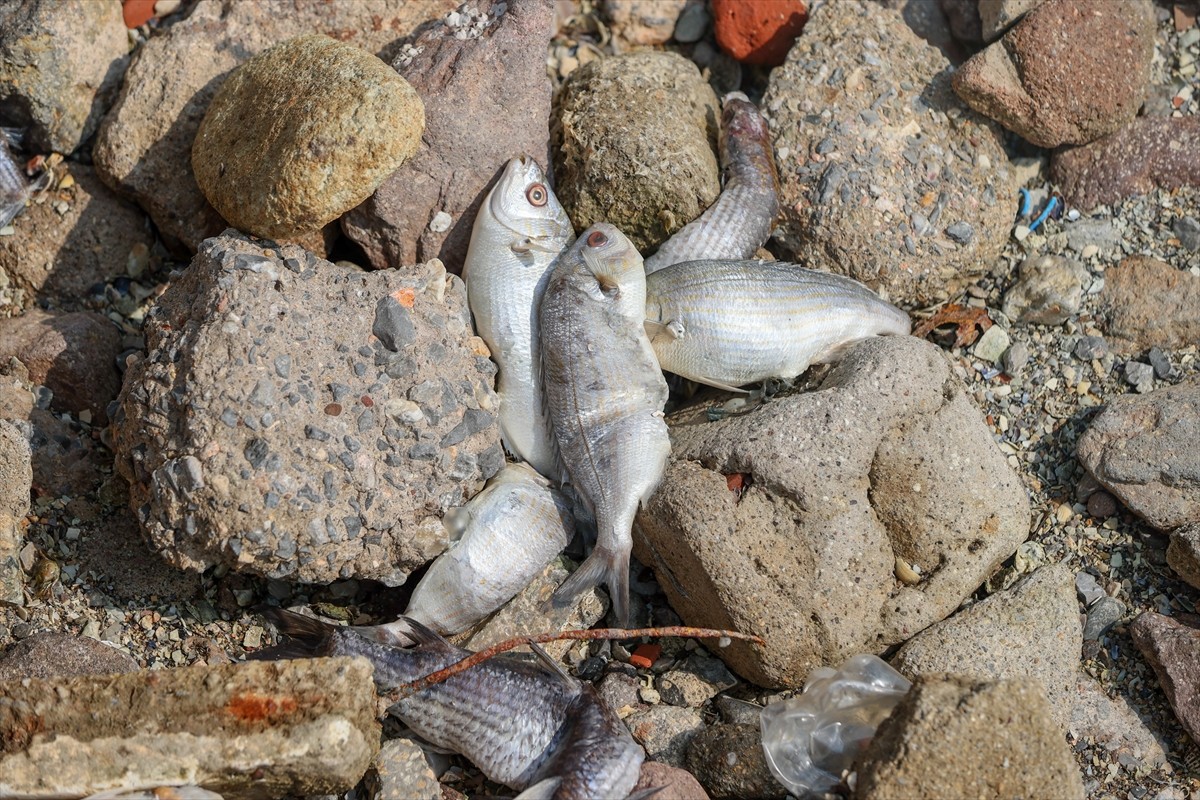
x: 1142, y: 448
x: 61, y: 61
x: 888, y: 461
x: 1183, y: 553
x: 1173, y: 650
x: 958, y: 736
x: 1069, y: 72
x: 1149, y: 303
x: 294, y: 418
x: 487, y: 99
x: 143, y: 148
x: 634, y: 139
x: 302, y: 133
x: 885, y: 177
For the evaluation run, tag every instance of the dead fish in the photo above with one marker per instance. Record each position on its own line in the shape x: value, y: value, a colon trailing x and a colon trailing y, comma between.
x: 14, y: 187
x: 605, y: 394
x: 730, y: 323
x: 522, y: 724
x: 509, y: 532
x: 740, y: 220
x: 519, y: 231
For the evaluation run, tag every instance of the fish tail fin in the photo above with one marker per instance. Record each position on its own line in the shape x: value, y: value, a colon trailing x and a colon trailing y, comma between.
x: 609, y: 566
x: 308, y: 637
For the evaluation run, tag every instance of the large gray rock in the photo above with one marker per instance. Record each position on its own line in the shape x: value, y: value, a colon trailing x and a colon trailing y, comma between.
x: 884, y: 176
x: 1173, y: 650
x: 252, y: 730
x: 1030, y: 630
x: 16, y: 479
x: 1142, y: 448
x: 298, y: 419
x: 472, y: 77
x: 633, y: 145
x: 1069, y: 72
x: 958, y: 736
x: 1183, y: 554
x: 143, y: 149
x: 60, y: 64
x: 1149, y: 152
x: 302, y: 133
x: 888, y: 462
x: 82, y: 235
x: 1149, y: 303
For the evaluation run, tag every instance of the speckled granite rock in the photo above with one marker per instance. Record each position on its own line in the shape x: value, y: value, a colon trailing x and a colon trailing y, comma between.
x: 1049, y: 291
x: 1149, y: 152
x: 49, y: 654
x: 888, y: 460
x: 957, y: 736
x: 59, y: 252
x: 16, y: 477
x: 298, y: 419
x: 1173, y: 650
x: 302, y: 133
x: 884, y: 176
x: 1183, y: 554
x: 471, y: 78
x: 642, y: 22
x: 1030, y: 630
x: 1069, y: 72
x: 665, y: 731
x: 61, y: 61
x: 1142, y: 448
x: 400, y: 772
x: 1149, y: 303
x: 143, y: 149
x: 729, y: 762
x: 672, y: 783
x: 614, y: 118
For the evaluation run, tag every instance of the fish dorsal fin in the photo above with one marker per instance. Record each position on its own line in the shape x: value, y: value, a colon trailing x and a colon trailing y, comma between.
x: 542, y: 790
x: 549, y: 662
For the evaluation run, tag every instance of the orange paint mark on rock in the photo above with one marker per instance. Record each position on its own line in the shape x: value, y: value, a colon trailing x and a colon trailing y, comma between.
x: 137, y: 12
x: 758, y: 31
x: 405, y: 297
x: 249, y: 707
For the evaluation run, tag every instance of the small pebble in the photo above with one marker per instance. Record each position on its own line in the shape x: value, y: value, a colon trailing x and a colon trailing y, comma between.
x: 1188, y: 231
x: 1015, y: 358
x: 1102, y: 615
x: 1139, y: 375
x: 440, y: 222
x: 1091, y: 347
x: 692, y: 24
x: 1088, y: 588
x: 644, y: 655
x: 1102, y: 505
x: 992, y: 344
x: 1161, y: 363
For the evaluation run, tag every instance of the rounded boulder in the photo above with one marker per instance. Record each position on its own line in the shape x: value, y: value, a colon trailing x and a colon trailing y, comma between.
x: 301, y: 134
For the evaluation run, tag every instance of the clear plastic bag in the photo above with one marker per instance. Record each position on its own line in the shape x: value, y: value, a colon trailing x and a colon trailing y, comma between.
x: 810, y: 739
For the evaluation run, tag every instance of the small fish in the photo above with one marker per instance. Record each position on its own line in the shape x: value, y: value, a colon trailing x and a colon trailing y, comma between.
x: 509, y: 532
x: 14, y: 188
x: 605, y: 394
x: 519, y: 231
x: 523, y: 725
x: 740, y: 220
x: 730, y: 323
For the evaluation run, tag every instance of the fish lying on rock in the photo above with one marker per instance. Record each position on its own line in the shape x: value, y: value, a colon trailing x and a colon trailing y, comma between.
x: 523, y: 725
x: 519, y: 231
x: 740, y: 220
x: 605, y: 394
x: 509, y: 532
x: 730, y: 323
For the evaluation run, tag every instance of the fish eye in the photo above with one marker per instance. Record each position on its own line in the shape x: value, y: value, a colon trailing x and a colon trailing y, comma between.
x: 536, y: 195
x: 597, y: 239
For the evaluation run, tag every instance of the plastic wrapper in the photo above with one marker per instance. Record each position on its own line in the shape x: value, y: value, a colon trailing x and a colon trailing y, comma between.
x: 14, y: 188
x: 810, y: 739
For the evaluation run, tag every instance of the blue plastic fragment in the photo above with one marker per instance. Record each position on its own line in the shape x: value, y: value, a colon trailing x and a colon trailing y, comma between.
x: 1026, y: 203
x: 1046, y: 212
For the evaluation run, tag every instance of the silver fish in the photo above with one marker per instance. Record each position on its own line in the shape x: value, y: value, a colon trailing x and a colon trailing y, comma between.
x: 740, y: 220
x: 509, y: 532
x: 605, y: 394
x: 730, y: 323
x: 14, y: 187
x: 519, y: 231
x: 520, y: 723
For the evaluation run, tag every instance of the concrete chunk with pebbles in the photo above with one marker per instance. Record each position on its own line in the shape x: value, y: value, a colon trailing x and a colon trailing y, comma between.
x: 299, y: 419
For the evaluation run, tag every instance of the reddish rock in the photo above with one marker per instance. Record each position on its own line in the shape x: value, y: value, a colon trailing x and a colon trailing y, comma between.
x: 1069, y: 72
x: 670, y: 782
x: 1148, y: 153
x: 72, y: 354
x: 1183, y: 554
x: 758, y: 31
x: 49, y: 654
x: 137, y: 12
x: 1148, y: 303
x: 1173, y: 650
x: 470, y: 87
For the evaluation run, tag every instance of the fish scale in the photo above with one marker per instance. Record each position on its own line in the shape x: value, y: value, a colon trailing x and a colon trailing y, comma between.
x: 730, y: 323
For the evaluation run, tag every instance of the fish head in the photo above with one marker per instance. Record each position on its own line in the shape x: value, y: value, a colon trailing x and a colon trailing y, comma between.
x: 614, y: 266
x: 523, y: 203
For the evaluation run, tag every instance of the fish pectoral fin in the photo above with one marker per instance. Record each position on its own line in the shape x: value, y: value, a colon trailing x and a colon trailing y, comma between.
x: 542, y: 790
x: 660, y: 332
x: 718, y: 385
x: 421, y: 634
